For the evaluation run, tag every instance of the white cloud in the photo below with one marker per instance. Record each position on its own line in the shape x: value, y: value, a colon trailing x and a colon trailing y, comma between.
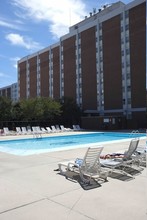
x: 14, y: 61
x: 13, y: 25
x: 59, y: 14
x: 6, y: 24
x: 19, y: 40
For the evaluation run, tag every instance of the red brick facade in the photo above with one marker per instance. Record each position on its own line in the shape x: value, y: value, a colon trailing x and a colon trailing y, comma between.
x: 88, y: 66
x: 100, y: 64
x: 112, y: 64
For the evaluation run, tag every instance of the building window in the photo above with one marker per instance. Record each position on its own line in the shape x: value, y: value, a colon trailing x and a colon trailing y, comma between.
x: 126, y: 14
x: 122, y: 41
x: 127, y: 39
x: 129, y: 101
x: 127, y: 27
x: 127, y: 51
x: 101, y: 59
x: 102, y: 102
x: 127, y: 20
x: 129, y: 88
x: 121, y: 16
x: 128, y: 75
x: 100, y: 32
x: 129, y: 116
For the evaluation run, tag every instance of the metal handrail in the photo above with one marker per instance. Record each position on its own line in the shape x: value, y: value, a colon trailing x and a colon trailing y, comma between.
x: 134, y: 132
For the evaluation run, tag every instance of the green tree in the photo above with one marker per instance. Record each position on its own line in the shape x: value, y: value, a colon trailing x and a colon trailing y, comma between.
x: 28, y: 109
x: 40, y: 109
x: 5, y: 109
x: 51, y: 108
x: 16, y: 112
x: 71, y: 112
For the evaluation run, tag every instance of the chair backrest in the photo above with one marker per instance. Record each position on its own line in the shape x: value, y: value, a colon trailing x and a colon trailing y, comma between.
x: 91, y: 158
x: 34, y: 128
x: 62, y: 127
x: 18, y: 129
x: 74, y: 127
x: 48, y: 129
x: 6, y: 130
x: 53, y: 128
x: 57, y: 127
x: 24, y: 130
x: 38, y: 128
x: 78, y: 127
x: 132, y: 148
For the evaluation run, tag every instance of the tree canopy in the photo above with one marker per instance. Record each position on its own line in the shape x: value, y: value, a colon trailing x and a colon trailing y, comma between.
x: 40, y: 110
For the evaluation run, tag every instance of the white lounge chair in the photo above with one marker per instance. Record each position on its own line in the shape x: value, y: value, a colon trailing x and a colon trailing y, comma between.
x: 24, y: 130
x: 6, y: 131
x: 36, y: 132
x: 58, y: 129
x: 140, y: 155
x: 74, y: 127
x: 77, y: 128
x: 29, y: 130
x: 65, y: 129
x: 49, y: 130
x: 43, y: 130
x: 54, y: 128
x: 18, y: 130
x: 123, y: 162
x: 88, y: 167
x: 38, y: 129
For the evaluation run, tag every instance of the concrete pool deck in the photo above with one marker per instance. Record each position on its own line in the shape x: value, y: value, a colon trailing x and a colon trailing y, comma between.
x: 31, y: 189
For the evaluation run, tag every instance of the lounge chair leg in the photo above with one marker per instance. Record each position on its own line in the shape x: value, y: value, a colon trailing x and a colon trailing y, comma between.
x: 85, y: 180
x: 61, y: 170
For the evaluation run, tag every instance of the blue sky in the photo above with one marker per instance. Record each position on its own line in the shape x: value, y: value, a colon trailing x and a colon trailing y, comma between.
x: 27, y: 26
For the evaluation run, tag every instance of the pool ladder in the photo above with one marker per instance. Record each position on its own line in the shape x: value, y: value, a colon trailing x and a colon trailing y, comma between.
x: 134, y: 132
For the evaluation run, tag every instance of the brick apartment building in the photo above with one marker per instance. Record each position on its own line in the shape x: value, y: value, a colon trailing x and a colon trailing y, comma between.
x: 100, y: 63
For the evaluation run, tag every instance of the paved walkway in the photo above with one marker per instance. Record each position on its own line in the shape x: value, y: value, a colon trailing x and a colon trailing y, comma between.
x: 30, y: 189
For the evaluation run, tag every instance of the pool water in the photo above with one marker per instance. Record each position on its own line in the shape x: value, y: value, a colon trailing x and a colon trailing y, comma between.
x: 47, y: 144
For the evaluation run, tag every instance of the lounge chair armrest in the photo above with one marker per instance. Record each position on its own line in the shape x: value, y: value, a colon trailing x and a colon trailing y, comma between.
x: 71, y: 166
x: 64, y: 166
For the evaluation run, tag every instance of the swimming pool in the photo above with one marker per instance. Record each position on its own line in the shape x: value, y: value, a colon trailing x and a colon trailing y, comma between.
x: 53, y: 143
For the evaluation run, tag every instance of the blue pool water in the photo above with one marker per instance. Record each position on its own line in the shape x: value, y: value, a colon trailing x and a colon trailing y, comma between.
x: 47, y: 144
